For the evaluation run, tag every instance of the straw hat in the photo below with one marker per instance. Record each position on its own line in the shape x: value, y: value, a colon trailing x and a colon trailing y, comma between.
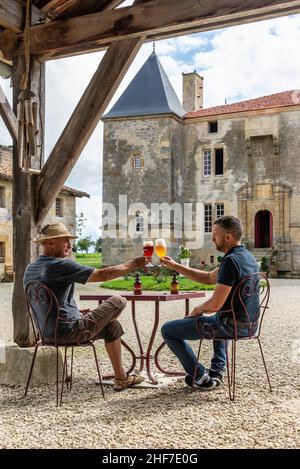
x: 53, y: 231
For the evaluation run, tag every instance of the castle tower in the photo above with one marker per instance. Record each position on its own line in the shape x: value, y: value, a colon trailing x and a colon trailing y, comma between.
x: 142, y: 159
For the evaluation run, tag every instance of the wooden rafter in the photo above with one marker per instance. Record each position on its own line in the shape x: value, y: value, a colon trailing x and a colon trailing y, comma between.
x: 83, y: 121
x: 8, y: 115
x: 12, y: 15
x: 150, y: 19
x: 78, y: 8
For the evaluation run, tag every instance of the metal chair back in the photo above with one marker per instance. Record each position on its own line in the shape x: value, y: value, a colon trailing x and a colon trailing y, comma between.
x: 249, y: 303
x: 43, y: 309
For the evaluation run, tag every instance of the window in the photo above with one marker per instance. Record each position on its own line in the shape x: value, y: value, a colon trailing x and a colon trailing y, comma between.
x: 208, y: 218
x: 219, y: 210
x: 212, y: 259
x: 213, y: 127
x: 2, y: 251
x: 2, y: 197
x: 219, y: 161
x: 206, y: 162
x: 139, y: 223
x: 137, y: 162
x: 58, y: 207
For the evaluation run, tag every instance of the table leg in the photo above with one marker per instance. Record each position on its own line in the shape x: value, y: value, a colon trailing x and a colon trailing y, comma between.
x: 148, y: 354
x: 142, y: 354
x: 168, y: 372
x: 187, y: 306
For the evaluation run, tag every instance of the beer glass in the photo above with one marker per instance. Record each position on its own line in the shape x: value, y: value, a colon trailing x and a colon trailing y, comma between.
x: 148, y: 248
x: 160, y: 248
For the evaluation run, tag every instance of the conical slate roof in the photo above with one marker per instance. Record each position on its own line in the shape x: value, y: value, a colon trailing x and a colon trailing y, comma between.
x: 150, y: 92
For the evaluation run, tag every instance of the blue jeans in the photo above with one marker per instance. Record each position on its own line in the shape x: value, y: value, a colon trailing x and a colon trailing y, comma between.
x: 176, y: 333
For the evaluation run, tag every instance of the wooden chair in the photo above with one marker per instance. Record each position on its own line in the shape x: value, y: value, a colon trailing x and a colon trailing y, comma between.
x: 255, y: 287
x: 44, y: 312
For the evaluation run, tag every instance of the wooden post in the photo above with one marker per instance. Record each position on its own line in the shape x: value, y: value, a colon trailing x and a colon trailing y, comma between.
x: 24, y: 203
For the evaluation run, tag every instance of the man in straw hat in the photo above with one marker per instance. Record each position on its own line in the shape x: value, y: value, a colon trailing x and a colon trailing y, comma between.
x: 59, y: 273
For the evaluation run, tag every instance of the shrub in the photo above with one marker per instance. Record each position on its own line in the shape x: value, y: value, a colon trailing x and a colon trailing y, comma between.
x: 184, y: 253
x: 265, y: 264
x: 160, y: 279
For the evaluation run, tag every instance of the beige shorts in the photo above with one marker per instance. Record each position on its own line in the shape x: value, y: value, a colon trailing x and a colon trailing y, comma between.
x: 100, y: 323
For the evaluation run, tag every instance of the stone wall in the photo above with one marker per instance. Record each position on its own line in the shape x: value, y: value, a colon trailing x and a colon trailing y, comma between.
x: 5, y: 155
x: 261, y: 172
x: 159, y: 143
x: 214, y: 189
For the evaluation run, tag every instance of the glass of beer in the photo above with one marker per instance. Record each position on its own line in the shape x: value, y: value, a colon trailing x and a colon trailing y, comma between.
x: 160, y: 248
x: 148, y: 248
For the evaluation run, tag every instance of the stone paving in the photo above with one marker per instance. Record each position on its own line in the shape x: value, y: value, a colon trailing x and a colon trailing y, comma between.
x: 172, y: 416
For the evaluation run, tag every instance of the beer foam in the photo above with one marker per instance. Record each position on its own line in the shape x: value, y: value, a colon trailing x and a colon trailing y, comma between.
x: 160, y: 242
x: 148, y: 243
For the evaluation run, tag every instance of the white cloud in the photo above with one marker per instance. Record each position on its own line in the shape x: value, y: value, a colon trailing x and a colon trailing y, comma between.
x: 251, y: 60
x: 93, y: 212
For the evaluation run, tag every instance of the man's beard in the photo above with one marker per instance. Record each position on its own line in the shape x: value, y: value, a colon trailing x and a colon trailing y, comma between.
x: 219, y: 247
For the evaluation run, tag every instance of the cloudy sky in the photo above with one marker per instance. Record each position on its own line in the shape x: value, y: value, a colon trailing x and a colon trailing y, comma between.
x: 237, y: 63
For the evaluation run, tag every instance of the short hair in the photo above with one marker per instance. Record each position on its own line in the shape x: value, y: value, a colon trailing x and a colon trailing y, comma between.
x: 231, y: 224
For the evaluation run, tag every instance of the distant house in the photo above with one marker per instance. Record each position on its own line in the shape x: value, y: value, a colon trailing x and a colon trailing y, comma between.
x: 241, y: 159
x: 64, y: 209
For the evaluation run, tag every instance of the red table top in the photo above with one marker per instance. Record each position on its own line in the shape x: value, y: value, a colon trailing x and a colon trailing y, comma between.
x: 147, y: 296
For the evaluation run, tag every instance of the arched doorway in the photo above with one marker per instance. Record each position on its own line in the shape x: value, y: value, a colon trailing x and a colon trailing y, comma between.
x: 263, y: 229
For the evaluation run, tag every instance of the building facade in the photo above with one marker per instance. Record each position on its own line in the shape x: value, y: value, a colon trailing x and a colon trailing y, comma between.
x: 64, y: 209
x: 241, y: 159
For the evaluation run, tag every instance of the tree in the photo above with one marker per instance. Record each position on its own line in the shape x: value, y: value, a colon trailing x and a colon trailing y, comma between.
x: 98, y: 245
x: 80, y: 223
x: 84, y: 244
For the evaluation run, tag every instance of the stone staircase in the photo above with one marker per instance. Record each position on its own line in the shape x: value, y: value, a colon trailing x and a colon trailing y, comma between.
x: 258, y: 253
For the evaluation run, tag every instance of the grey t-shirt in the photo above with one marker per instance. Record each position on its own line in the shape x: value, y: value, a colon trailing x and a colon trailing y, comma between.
x: 59, y: 275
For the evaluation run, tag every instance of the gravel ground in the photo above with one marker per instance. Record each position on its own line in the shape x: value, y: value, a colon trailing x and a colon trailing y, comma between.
x: 172, y: 417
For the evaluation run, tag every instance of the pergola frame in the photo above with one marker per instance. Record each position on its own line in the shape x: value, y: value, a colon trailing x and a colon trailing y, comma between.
x: 61, y: 28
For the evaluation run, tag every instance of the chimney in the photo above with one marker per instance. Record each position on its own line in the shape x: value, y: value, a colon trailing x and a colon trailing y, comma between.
x: 192, y: 86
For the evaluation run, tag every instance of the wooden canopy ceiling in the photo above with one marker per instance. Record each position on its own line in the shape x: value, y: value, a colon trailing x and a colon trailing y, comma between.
x: 68, y: 27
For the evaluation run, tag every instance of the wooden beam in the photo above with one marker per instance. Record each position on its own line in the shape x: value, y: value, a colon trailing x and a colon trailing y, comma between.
x: 23, y: 208
x: 83, y: 121
x: 151, y: 18
x: 212, y: 25
x: 8, y: 116
x: 79, y: 8
x: 12, y: 15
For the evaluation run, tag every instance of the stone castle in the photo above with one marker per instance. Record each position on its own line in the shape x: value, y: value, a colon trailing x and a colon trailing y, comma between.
x: 241, y: 159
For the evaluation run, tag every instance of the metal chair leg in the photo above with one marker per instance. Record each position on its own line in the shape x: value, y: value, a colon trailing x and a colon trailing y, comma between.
x: 198, y: 357
x: 57, y: 350
x: 98, y: 369
x: 71, y: 375
x: 31, y: 369
x: 265, y: 365
x: 63, y: 376
x: 228, y: 372
x: 233, y: 368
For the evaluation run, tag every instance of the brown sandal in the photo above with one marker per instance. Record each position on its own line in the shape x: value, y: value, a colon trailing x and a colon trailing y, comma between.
x: 131, y: 380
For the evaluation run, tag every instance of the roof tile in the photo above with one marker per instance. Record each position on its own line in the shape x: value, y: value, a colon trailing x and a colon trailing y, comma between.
x: 273, y: 101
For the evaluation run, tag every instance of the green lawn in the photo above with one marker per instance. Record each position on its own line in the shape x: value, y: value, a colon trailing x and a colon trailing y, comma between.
x: 151, y: 284
x: 91, y: 260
